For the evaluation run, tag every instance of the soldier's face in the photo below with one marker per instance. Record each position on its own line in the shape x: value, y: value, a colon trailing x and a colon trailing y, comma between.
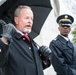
x: 64, y: 30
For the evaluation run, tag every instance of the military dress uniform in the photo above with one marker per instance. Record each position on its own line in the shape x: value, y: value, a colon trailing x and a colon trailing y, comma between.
x: 63, y: 51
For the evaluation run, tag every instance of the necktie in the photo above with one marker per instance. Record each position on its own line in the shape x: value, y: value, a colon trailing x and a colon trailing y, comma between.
x: 27, y: 37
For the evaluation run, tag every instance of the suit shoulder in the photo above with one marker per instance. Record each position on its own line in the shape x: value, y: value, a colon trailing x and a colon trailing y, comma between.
x: 54, y: 40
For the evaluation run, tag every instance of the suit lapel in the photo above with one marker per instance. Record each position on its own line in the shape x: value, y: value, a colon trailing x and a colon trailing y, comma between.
x: 64, y: 41
x: 69, y: 44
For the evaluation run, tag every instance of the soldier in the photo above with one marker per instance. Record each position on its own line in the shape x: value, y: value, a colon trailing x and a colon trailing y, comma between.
x: 63, y: 50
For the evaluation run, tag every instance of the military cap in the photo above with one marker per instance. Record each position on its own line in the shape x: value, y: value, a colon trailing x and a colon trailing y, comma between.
x: 65, y: 19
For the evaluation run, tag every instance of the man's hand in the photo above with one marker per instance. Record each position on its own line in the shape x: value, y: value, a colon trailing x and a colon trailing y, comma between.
x: 45, y: 52
x: 9, y: 31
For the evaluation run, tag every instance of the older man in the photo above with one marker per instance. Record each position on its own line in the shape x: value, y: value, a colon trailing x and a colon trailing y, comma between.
x: 19, y: 54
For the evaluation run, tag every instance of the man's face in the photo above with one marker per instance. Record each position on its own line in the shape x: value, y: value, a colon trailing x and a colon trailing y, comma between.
x: 64, y: 30
x: 24, y: 20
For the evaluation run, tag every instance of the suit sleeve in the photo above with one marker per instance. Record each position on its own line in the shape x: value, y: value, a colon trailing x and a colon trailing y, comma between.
x: 3, y: 53
x: 59, y: 63
x: 46, y: 63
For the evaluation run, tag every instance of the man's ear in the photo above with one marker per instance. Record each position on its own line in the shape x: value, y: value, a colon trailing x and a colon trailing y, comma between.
x: 16, y: 20
x: 70, y: 28
x: 59, y: 28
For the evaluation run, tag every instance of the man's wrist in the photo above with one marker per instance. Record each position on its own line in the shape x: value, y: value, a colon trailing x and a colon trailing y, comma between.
x: 4, y: 40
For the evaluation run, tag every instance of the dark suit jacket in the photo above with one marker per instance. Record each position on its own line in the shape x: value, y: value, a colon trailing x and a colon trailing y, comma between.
x: 20, y: 58
x: 63, y: 56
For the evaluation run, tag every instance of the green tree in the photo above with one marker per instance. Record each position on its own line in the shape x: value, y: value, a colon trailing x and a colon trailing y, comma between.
x: 74, y: 33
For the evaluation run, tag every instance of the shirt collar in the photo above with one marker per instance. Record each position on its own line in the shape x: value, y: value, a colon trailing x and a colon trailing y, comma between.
x: 20, y: 32
x: 66, y: 38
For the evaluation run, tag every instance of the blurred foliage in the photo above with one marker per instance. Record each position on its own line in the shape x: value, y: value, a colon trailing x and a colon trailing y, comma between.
x: 74, y: 34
